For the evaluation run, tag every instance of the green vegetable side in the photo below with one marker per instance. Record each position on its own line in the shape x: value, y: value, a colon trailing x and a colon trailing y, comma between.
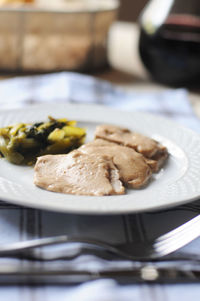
x: 23, y: 143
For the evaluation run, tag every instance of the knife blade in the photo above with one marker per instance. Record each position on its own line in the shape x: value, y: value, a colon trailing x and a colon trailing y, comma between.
x: 149, y: 273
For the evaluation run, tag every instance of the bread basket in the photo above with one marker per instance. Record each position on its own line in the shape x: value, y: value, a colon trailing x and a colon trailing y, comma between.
x: 70, y: 35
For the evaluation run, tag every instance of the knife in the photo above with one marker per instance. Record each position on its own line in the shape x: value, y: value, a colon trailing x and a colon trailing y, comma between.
x: 10, y: 275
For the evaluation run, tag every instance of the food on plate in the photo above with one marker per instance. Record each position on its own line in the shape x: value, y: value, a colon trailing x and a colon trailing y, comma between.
x: 78, y: 173
x: 22, y: 143
x: 149, y: 148
x: 116, y: 159
x: 133, y: 168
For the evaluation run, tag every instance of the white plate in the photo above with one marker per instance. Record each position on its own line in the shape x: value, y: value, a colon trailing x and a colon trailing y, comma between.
x: 177, y: 183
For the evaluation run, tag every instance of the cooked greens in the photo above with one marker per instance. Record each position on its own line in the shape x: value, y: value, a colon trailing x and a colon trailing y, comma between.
x: 22, y: 143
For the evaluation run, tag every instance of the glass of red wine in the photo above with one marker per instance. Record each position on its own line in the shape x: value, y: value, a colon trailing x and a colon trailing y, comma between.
x: 169, y: 43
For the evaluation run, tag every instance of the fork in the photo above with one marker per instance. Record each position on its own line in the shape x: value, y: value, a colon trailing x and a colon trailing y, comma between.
x: 149, y: 250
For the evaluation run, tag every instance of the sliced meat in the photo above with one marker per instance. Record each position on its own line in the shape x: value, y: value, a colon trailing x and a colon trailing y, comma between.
x: 148, y: 147
x: 158, y: 160
x: 133, y: 169
x: 78, y: 173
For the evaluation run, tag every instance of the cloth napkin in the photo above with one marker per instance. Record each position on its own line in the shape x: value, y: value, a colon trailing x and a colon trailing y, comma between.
x: 18, y: 223
x: 73, y: 87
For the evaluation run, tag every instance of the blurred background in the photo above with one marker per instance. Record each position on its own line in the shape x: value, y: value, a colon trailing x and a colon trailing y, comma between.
x: 130, y: 10
x: 142, y: 38
x: 45, y: 36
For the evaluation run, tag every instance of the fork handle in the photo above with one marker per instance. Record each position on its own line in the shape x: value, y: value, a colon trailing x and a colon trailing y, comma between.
x: 11, y: 248
x: 33, y: 243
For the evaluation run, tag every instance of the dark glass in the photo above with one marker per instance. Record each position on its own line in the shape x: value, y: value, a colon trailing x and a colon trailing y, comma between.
x: 169, y: 42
